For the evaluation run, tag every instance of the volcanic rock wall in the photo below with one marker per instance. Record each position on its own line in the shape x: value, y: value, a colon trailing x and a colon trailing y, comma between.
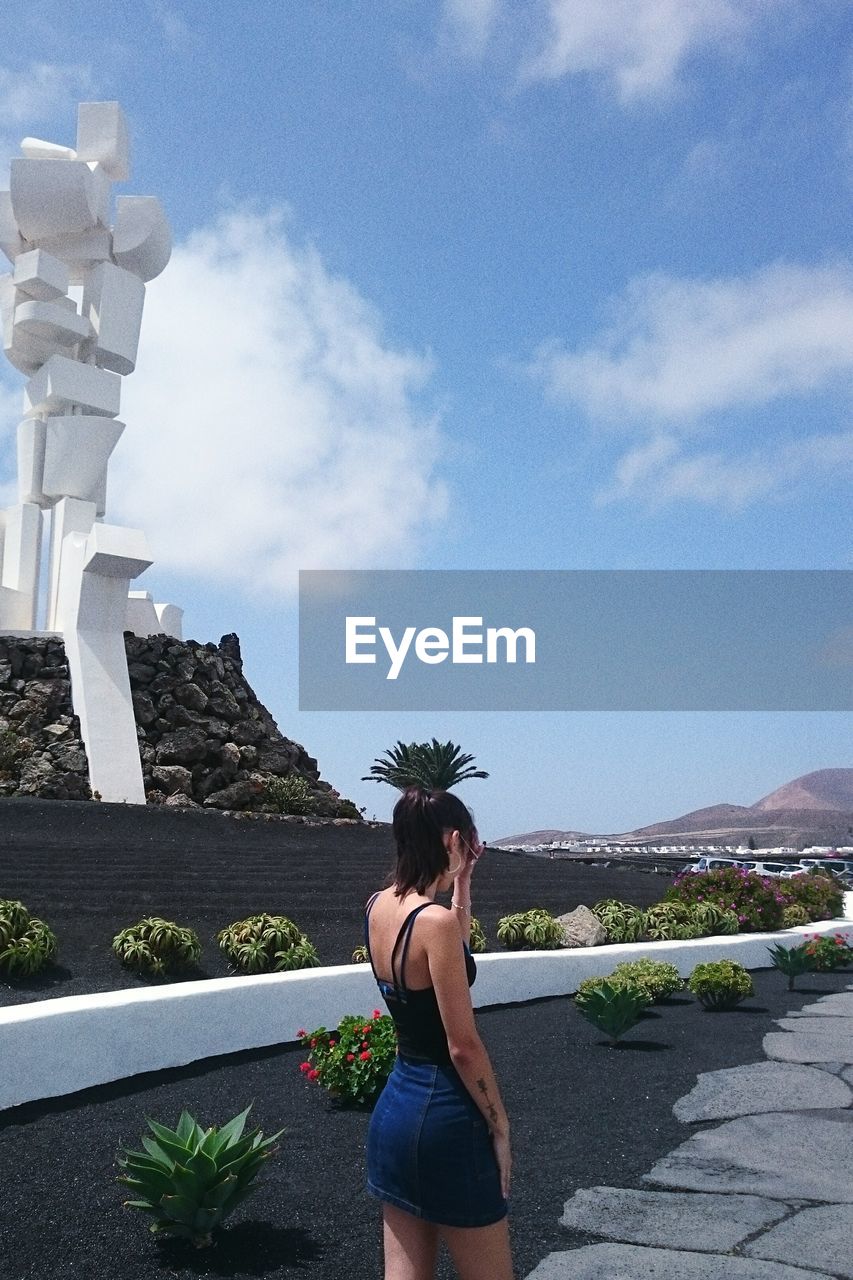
x: 204, y: 738
x: 41, y: 752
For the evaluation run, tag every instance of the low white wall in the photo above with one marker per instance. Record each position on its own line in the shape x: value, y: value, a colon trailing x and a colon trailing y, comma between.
x: 55, y: 1047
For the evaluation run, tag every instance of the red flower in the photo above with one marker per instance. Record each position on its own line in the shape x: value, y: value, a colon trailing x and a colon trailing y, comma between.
x: 377, y: 1013
x: 304, y: 1066
x: 312, y: 1075
x: 301, y: 1032
x: 332, y: 1044
x: 350, y: 1057
x: 314, y: 1043
x: 364, y: 1044
x: 364, y: 1056
x: 366, y: 1029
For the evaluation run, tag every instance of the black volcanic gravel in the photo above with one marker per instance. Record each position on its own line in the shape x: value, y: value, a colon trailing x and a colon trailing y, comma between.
x: 582, y: 1114
x: 90, y: 869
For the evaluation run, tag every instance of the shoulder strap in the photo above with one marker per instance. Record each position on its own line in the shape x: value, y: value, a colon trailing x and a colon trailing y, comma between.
x: 405, y: 937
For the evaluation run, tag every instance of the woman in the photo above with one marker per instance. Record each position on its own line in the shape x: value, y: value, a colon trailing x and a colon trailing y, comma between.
x: 438, y: 1153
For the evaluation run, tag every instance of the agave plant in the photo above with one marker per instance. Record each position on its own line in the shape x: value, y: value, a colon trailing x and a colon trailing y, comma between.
x: 620, y: 921
x: 438, y: 766
x: 189, y: 1179
x: 792, y: 961
x: 670, y: 921
x: 267, y: 944
x: 536, y: 929
x: 157, y: 946
x: 27, y: 944
x: 613, y: 1007
x: 360, y: 956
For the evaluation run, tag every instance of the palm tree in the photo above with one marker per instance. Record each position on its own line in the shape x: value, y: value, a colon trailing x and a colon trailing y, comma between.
x: 438, y: 766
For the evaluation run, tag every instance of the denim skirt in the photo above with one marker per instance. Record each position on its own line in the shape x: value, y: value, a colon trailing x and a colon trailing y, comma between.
x: 429, y: 1150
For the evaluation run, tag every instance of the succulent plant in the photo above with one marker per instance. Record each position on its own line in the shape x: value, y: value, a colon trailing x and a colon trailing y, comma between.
x: 655, y: 978
x: 795, y: 915
x: 535, y: 929
x: 27, y: 944
x: 720, y: 984
x: 267, y: 944
x: 478, y: 937
x: 670, y: 922
x: 156, y: 946
x: 621, y: 921
x: 360, y: 956
x: 189, y: 1179
x: 612, y: 1007
x: 714, y: 920
x: 792, y: 961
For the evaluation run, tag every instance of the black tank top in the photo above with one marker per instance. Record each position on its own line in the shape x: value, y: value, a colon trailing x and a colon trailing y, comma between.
x: 420, y: 1031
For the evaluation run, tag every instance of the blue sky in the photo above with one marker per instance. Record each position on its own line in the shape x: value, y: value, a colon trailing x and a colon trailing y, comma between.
x: 480, y: 284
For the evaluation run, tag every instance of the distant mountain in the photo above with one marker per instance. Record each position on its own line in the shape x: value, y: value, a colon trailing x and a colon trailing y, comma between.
x: 814, y: 809
x: 825, y: 789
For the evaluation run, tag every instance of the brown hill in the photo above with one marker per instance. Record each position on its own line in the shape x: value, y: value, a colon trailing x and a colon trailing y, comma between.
x: 824, y: 789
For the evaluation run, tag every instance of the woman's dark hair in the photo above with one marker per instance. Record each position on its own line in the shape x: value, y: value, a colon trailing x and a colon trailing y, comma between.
x: 420, y: 819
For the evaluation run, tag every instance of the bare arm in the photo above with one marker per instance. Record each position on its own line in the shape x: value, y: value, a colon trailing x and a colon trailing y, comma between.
x: 467, y: 1052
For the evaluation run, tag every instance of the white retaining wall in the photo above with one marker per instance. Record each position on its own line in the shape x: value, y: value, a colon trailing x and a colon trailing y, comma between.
x: 54, y: 1047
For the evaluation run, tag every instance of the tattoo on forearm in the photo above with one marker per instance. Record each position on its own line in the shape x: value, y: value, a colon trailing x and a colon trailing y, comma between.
x: 483, y: 1087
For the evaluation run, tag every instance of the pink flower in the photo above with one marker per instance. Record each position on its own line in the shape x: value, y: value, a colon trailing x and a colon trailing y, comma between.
x: 301, y: 1032
x: 377, y: 1013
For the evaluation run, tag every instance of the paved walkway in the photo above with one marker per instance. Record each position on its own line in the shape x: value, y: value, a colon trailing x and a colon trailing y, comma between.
x: 764, y: 1193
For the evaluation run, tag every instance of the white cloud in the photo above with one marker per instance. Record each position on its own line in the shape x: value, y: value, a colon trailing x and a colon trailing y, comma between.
x: 660, y: 471
x: 469, y: 23
x: 684, y: 358
x: 679, y: 349
x: 271, y: 426
x: 40, y: 91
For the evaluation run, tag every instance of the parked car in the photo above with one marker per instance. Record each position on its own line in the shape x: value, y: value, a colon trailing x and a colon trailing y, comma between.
x: 767, y: 868
x: 709, y: 863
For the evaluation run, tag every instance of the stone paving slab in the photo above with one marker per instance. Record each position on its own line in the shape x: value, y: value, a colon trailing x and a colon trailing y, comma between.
x: 839, y: 1004
x: 759, y: 1087
x: 812, y: 1040
x: 829, y: 1025
x: 803, y: 1155
x: 818, y: 1237
x: 712, y: 1224
x: 633, y: 1262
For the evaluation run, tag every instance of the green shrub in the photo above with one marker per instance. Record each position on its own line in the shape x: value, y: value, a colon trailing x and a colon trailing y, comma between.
x: 27, y: 944
x: 360, y: 956
x: 720, y: 984
x: 792, y: 961
x: 189, y: 1179
x: 828, y: 953
x: 155, y: 946
x: 532, y: 930
x: 794, y: 915
x: 612, y: 1007
x: 756, y: 900
x: 655, y: 978
x: 820, y: 895
x: 291, y: 794
x: 267, y: 944
x: 353, y: 1062
x: 348, y: 809
x: 714, y: 920
x: 670, y: 922
x: 478, y: 941
x: 620, y: 921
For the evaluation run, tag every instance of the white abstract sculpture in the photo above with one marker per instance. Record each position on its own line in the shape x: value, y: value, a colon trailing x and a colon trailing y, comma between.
x: 71, y: 312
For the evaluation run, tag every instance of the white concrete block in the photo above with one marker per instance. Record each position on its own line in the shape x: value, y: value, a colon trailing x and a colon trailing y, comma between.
x: 77, y: 450
x: 53, y: 197
x: 113, y: 300
x: 51, y: 323
x: 102, y: 189
x: 62, y: 383
x: 15, y: 611
x: 11, y: 241
x: 102, y: 135
x: 69, y: 516
x: 171, y: 619
x: 23, y: 350
x: 141, y: 617
x: 32, y: 435
x: 40, y: 275
x: 115, y: 552
x: 38, y: 149
x: 21, y: 559
x: 80, y: 252
x: 142, y: 240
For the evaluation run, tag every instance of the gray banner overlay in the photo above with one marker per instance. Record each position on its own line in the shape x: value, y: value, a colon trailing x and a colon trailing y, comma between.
x: 581, y: 640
